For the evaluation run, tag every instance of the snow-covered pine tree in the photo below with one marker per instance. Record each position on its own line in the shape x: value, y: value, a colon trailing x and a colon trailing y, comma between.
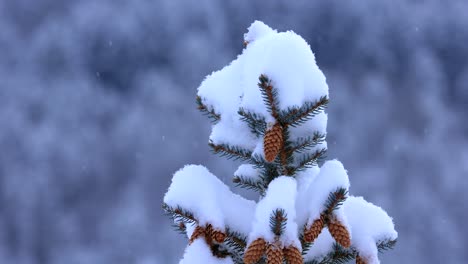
x: 267, y: 109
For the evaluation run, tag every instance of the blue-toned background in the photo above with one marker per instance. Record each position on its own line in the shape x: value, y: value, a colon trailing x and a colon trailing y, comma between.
x: 97, y: 112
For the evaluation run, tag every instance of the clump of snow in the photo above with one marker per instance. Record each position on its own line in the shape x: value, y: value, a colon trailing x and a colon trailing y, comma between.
x: 287, y: 60
x: 281, y: 194
x: 199, y: 253
x: 331, y: 177
x: 370, y: 225
x: 195, y: 189
x: 238, y: 212
x: 247, y: 171
x: 304, y: 179
x: 233, y: 131
x: 289, y: 63
x: 321, y: 247
x: 257, y: 30
x: 221, y: 91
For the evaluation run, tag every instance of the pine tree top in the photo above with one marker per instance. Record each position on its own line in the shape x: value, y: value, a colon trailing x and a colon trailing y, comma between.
x: 268, y: 111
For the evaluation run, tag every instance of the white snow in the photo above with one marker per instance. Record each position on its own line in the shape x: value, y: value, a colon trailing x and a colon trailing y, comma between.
x: 221, y: 90
x: 287, y: 60
x: 304, y: 179
x: 321, y: 247
x: 332, y: 176
x: 199, y: 253
x: 247, y: 171
x: 281, y: 194
x: 258, y: 29
x: 233, y: 131
x: 238, y: 212
x: 316, y: 124
x: 370, y: 224
x: 195, y: 189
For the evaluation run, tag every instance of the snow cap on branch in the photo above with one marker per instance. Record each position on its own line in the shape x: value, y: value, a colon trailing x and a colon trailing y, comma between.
x: 286, y: 59
x: 281, y: 195
x: 247, y: 171
x: 370, y: 225
x: 332, y: 177
x: 198, y: 191
x: 257, y: 30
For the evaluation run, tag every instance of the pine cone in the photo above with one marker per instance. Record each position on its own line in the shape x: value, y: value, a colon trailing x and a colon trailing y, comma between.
x: 274, y: 254
x: 292, y: 255
x: 272, y: 142
x: 213, y: 234
x: 360, y: 260
x: 218, y: 236
x: 311, y: 233
x: 198, y: 232
x: 339, y: 233
x: 255, y: 251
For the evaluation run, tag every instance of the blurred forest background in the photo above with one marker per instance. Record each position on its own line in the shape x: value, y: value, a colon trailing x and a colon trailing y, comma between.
x: 97, y: 111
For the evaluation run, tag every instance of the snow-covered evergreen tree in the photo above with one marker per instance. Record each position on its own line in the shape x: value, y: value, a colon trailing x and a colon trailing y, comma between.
x: 267, y: 109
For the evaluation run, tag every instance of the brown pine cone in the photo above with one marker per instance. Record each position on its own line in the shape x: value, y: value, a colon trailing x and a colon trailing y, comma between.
x: 292, y: 255
x: 311, y: 233
x: 272, y: 142
x: 218, y: 236
x: 274, y: 254
x: 255, y: 251
x: 339, y: 233
x: 198, y: 232
x: 360, y: 260
x: 213, y: 234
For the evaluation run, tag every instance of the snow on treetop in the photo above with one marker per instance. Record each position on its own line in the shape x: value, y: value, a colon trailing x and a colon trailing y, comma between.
x: 257, y: 30
x: 269, y: 102
x: 289, y: 63
x: 195, y: 189
x: 370, y: 224
x: 286, y: 59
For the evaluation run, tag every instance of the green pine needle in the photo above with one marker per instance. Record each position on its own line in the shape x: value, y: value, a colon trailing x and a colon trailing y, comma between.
x: 309, y: 160
x: 231, y: 152
x: 295, y: 116
x: 257, y: 185
x: 236, y: 241
x: 304, y: 144
x: 386, y: 245
x: 256, y: 123
x: 335, y: 200
x: 269, y: 95
x: 179, y: 214
x: 214, y: 117
x: 278, y: 221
